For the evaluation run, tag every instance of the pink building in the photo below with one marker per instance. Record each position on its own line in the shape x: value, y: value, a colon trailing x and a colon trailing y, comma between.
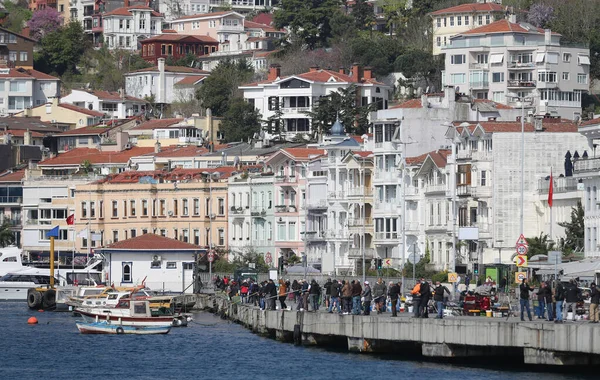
x: 222, y: 26
x: 289, y: 168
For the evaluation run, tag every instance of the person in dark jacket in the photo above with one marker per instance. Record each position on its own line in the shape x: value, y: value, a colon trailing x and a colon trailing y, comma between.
x: 356, y: 292
x: 572, y: 294
x: 394, y: 293
x: 438, y: 297
x: 314, y: 294
x: 327, y: 287
x: 541, y: 296
x: 524, y: 290
x: 559, y: 297
x: 367, y: 297
x: 270, y: 294
x: 379, y: 295
x: 336, y: 292
x: 548, y: 300
x: 594, y: 301
x: 425, y: 297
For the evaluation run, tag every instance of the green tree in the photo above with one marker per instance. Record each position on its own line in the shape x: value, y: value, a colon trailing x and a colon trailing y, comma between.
x: 376, y: 50
x: 309, y: 20
x: 539, y: 245
x: 275, y: 122
x: 249, y: 255
x: 61, y: 50
x: 7, y: 237
x: 17, y: 13
x: 574, y: 230
x: 222, y: 85
x: 241, y: 121
x: 363, y: 15
x: 418, y: 63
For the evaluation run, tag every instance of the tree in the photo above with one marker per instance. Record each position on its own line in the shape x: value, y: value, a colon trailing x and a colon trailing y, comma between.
x: 540, y: 15
x: 222, y: 85
x: 61, y: 50
x: 249, y: 255
x: 574, y: 230
x: 241, y: 121
x: 44, y: 21
x: 7, y: 237
x: 363, y: 15
x: 309, y: 20
x: 539, y: 245
x: 18, y: 13
x: 104, y: 68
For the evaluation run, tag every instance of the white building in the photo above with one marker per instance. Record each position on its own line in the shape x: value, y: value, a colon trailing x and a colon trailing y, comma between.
x: 113, y: 104
x: 124, y: 27
x: 22, y: 88
x: 173, y: 9
x: 160, y: 81
x: 296, y: 94
x: 505, y: 60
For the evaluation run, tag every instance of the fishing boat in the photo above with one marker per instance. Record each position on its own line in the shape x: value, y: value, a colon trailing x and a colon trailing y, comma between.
x: 106, y: 327
x: 126, y: 313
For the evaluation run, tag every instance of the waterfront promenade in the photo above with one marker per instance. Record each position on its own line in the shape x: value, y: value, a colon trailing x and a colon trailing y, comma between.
x: 510, y: 341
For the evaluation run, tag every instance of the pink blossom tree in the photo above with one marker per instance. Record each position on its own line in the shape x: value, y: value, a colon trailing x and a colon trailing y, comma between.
x: 44, y: 21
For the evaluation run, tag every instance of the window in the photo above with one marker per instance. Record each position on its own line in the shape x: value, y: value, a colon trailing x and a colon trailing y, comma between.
x: 459, y: 20
x: 480, y: 19
x: 488, y: 19
x: 483, y: 178
x: 582, y: 78
x: 547, y: 76
x: 18, y: 86
x: 132, y: 207
x: 457, y: 59
x: 566, y: 57
x: 458, y: 78
x: 445, y: 40
x: 171, y: 265
x: 92, y: 210
x: 23, y: 56
x: 185, y: 235
x: 175, y: 207
x: 144, y: 207
x: 162, y: 205
x: 583, y: 60
x: 270, y: 200
x: 184, y: 204
x: 566, y: 75
x: 451, y: 20
x: 438, y: 41
x: 127, y: 272
x: 281, y: 231
x: 482, y: 59
x: 197, y: 237
x: 292, y: 231
x: 221, y: 236
x: 125, y: 209
x: 466, y: 20
x: 84, y: 209
x: 207, y: 206
x: 439, y: 22
x: 497, y: 77
x: 196, y: 206
x: 498, y: 96
x: 133, y: 232
x: 115, y: 209
x: 142, y: 24
x: 221, y: 206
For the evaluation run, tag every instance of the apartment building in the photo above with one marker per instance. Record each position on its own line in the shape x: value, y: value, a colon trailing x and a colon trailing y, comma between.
x: 23, y: 88
x: 176, y: 46
x: 449, y: 22
x: 189, y: 205
x: 11, y: 201
x: 64, y: 115
x: 175, y: 9
x: 16, y: 50
x: 297, y: 94
x: 115, y: 105
x: 506, y: 61
x: 125, y: 27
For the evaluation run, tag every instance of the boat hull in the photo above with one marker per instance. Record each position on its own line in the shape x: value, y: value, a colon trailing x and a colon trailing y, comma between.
x: 104, y: 327
x: 123, y: 320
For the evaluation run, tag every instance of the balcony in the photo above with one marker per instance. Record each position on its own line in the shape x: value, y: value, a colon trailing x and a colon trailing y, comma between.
x: 359, y: 192
x: 478, y: 85
x: 238, y: 210
x: 391, y: 206
x: 11, y: 199
x: 586, y: 165
x: 482, y: 155
x: 359, y: 223
x: 316, y: 205
x: 463, y: 190
x: 430, y: 189
x: 336, y: 195
x: 338, y: 234
x: 464, y: 154
x: 300, y: 110
x: 357, y: 253
x: 386, y: 146
x: 561, y: 184
x: 13, y: 222
x: 481, y: 191
x: 520, y: 83
x: 285, y: 179
x: 383, y: 175
x: 521, y: 66
x: 479, y: 66
x: 388, y: 237
x: 315, y: 236
x: 230, y: 28
x: 258, y: 212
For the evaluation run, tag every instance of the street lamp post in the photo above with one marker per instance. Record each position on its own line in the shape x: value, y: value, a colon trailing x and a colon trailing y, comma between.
x: 499, y: 244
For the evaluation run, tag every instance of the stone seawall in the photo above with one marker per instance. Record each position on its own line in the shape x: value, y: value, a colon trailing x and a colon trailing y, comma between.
x: 573, y: 343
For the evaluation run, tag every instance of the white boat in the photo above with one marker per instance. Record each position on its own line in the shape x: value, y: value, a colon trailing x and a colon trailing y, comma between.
x: 126, y: 313
x: 106, y: 327
x: 10, y: 260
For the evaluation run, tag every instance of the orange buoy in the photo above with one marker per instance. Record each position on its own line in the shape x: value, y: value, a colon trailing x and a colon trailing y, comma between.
x: 41, y: 310
x: 32, y: 321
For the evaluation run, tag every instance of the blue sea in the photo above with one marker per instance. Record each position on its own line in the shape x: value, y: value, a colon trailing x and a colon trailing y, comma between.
x: 209, y: 348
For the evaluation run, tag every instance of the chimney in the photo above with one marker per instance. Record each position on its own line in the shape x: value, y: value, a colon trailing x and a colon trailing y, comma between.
x: 122, y: 140
x: 161, y: 87
x: 512, y: 18
x: 157, y: 147
x: 209, y: 123
x: 27, y: 137
x: 368, y: 73
x: 313, y: 69
x: 342, y: 70
x: 424, y: 101
x: 274, y: 72
x: 356, y: 72
x: 547, y: 36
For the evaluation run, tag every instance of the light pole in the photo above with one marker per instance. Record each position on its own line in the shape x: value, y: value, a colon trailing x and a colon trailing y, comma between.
x: 499, y: 244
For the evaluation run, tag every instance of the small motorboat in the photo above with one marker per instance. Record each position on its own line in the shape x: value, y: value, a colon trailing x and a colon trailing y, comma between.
x: 106, y: 327
x: 127, y: 312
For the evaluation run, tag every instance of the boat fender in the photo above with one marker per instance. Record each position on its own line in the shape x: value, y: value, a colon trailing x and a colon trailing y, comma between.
x: 34, y: 299
x: 120, y: 330
x: 297, y: 335
x: 49, y: 298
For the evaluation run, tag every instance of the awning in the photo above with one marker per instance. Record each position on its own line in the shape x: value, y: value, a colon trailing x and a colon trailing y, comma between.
x: 496, y: 58
x: 583, y: 60
x: 539, y: 58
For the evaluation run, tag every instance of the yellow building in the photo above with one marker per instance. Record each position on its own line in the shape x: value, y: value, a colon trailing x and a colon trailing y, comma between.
x: 177, y: 131
x: 64, y: 115
x: 189, y: 205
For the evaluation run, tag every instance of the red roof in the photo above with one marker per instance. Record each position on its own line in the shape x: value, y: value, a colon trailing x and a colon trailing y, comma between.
x: 126, y: 11
x: 320, y: 76
x: 363, y: 154
x: 93, y: 130
x: 39, y: 75
x: 411, y: 103
x: 190, y: 80
x: 95, y: 156
x: 504, y: 26
x: 132, y: 176
x: 440, y: 157
x: 185, y: 151
x: 256, y: 25
x: 152, y: 242
x: 303, y: 153
x: 15, y: 73
x: 82, y: 110
x: 203, y: 15
x: 158, y: 123
x: 470, y: 8
x: 172, y: 69
x: 416, y: 160
x: 178, y: 37
x: 20, y: 133
x: 262, y: 18
x: 548, y: 125
x: 12, y: 176
x: 595, y: 121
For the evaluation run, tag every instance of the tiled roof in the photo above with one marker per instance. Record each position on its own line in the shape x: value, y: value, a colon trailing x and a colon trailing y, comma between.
x: 111, y: 95
x: 38, y: 74
x: 20, y: 133
x: 440, y: 157
x: 548, y: 125
x: 96, y: 157
x: 185, y: 151
x: 93, y: 130
x: 411, y: 103
x: 595, y: 121
x: 417, y: 160
x: 132, y: 176
x: 82, y: 110
x: 125, y: 11
x: 256, y: 25
x: 169, y: 31
x: 262, y: 18
x: 303, y: 153
x: 363, y: 154
x: 504, y: 26
x: 31, y: 123
x: 178, y: 37
x: 152, y: 242
x: 203, y: 15
x: 20, y: 35
x: 172, y: 69
x: 470, y: 8
x: 15, y: 73
x: 12, y: 176
x: 260, y: 53
x: 190, y: 80
x: 158, y: 123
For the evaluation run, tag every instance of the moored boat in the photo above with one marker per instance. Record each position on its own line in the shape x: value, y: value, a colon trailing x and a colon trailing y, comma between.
x: 106, y: 327
x: 126, y: 313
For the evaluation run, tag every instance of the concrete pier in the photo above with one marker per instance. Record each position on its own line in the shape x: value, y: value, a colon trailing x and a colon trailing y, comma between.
x: 571, y: 343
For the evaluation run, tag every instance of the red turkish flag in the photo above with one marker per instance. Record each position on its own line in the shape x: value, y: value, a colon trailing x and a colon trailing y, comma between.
x: 71, y: 219
x: 550, y: 189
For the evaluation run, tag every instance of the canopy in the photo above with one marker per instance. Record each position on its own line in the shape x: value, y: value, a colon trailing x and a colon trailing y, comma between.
x: 583, y: 268
x: 300, y: 269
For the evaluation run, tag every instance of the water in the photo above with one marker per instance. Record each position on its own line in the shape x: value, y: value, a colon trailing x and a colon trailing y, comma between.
x: 210, y: 348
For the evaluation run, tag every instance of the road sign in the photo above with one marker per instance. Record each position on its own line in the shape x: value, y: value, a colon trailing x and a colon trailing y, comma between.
x: 387, y: 262
x: 268, y: 258
x: 521, y: 249
x: 521, y: 261
x: 211, y: 256
x: 521, y: 240
x: 520, y: 276
x: 554, y: 257
x: 452, y: 277
x: 414, y: 258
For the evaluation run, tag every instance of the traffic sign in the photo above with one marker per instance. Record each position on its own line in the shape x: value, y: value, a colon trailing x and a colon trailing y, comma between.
x: 268, y: 258
x: 452, y: 277
x: 521, y: 249
x: 387, y: 262
x: 211, y: 256
x: 414, y: 258
x: 520, y: 276
x: 521, y: 240
x: 521, y: 261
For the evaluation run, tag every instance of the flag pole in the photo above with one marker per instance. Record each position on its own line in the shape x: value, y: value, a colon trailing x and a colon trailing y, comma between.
x: 550, y: 202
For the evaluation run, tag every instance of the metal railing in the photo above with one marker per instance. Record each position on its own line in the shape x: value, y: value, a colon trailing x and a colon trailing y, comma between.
x: 561, y: 185
x: 521, y: 83
x: 586, y: 165
x: 357, y: 253
x: 11, y: 199
x: 317, y: 205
